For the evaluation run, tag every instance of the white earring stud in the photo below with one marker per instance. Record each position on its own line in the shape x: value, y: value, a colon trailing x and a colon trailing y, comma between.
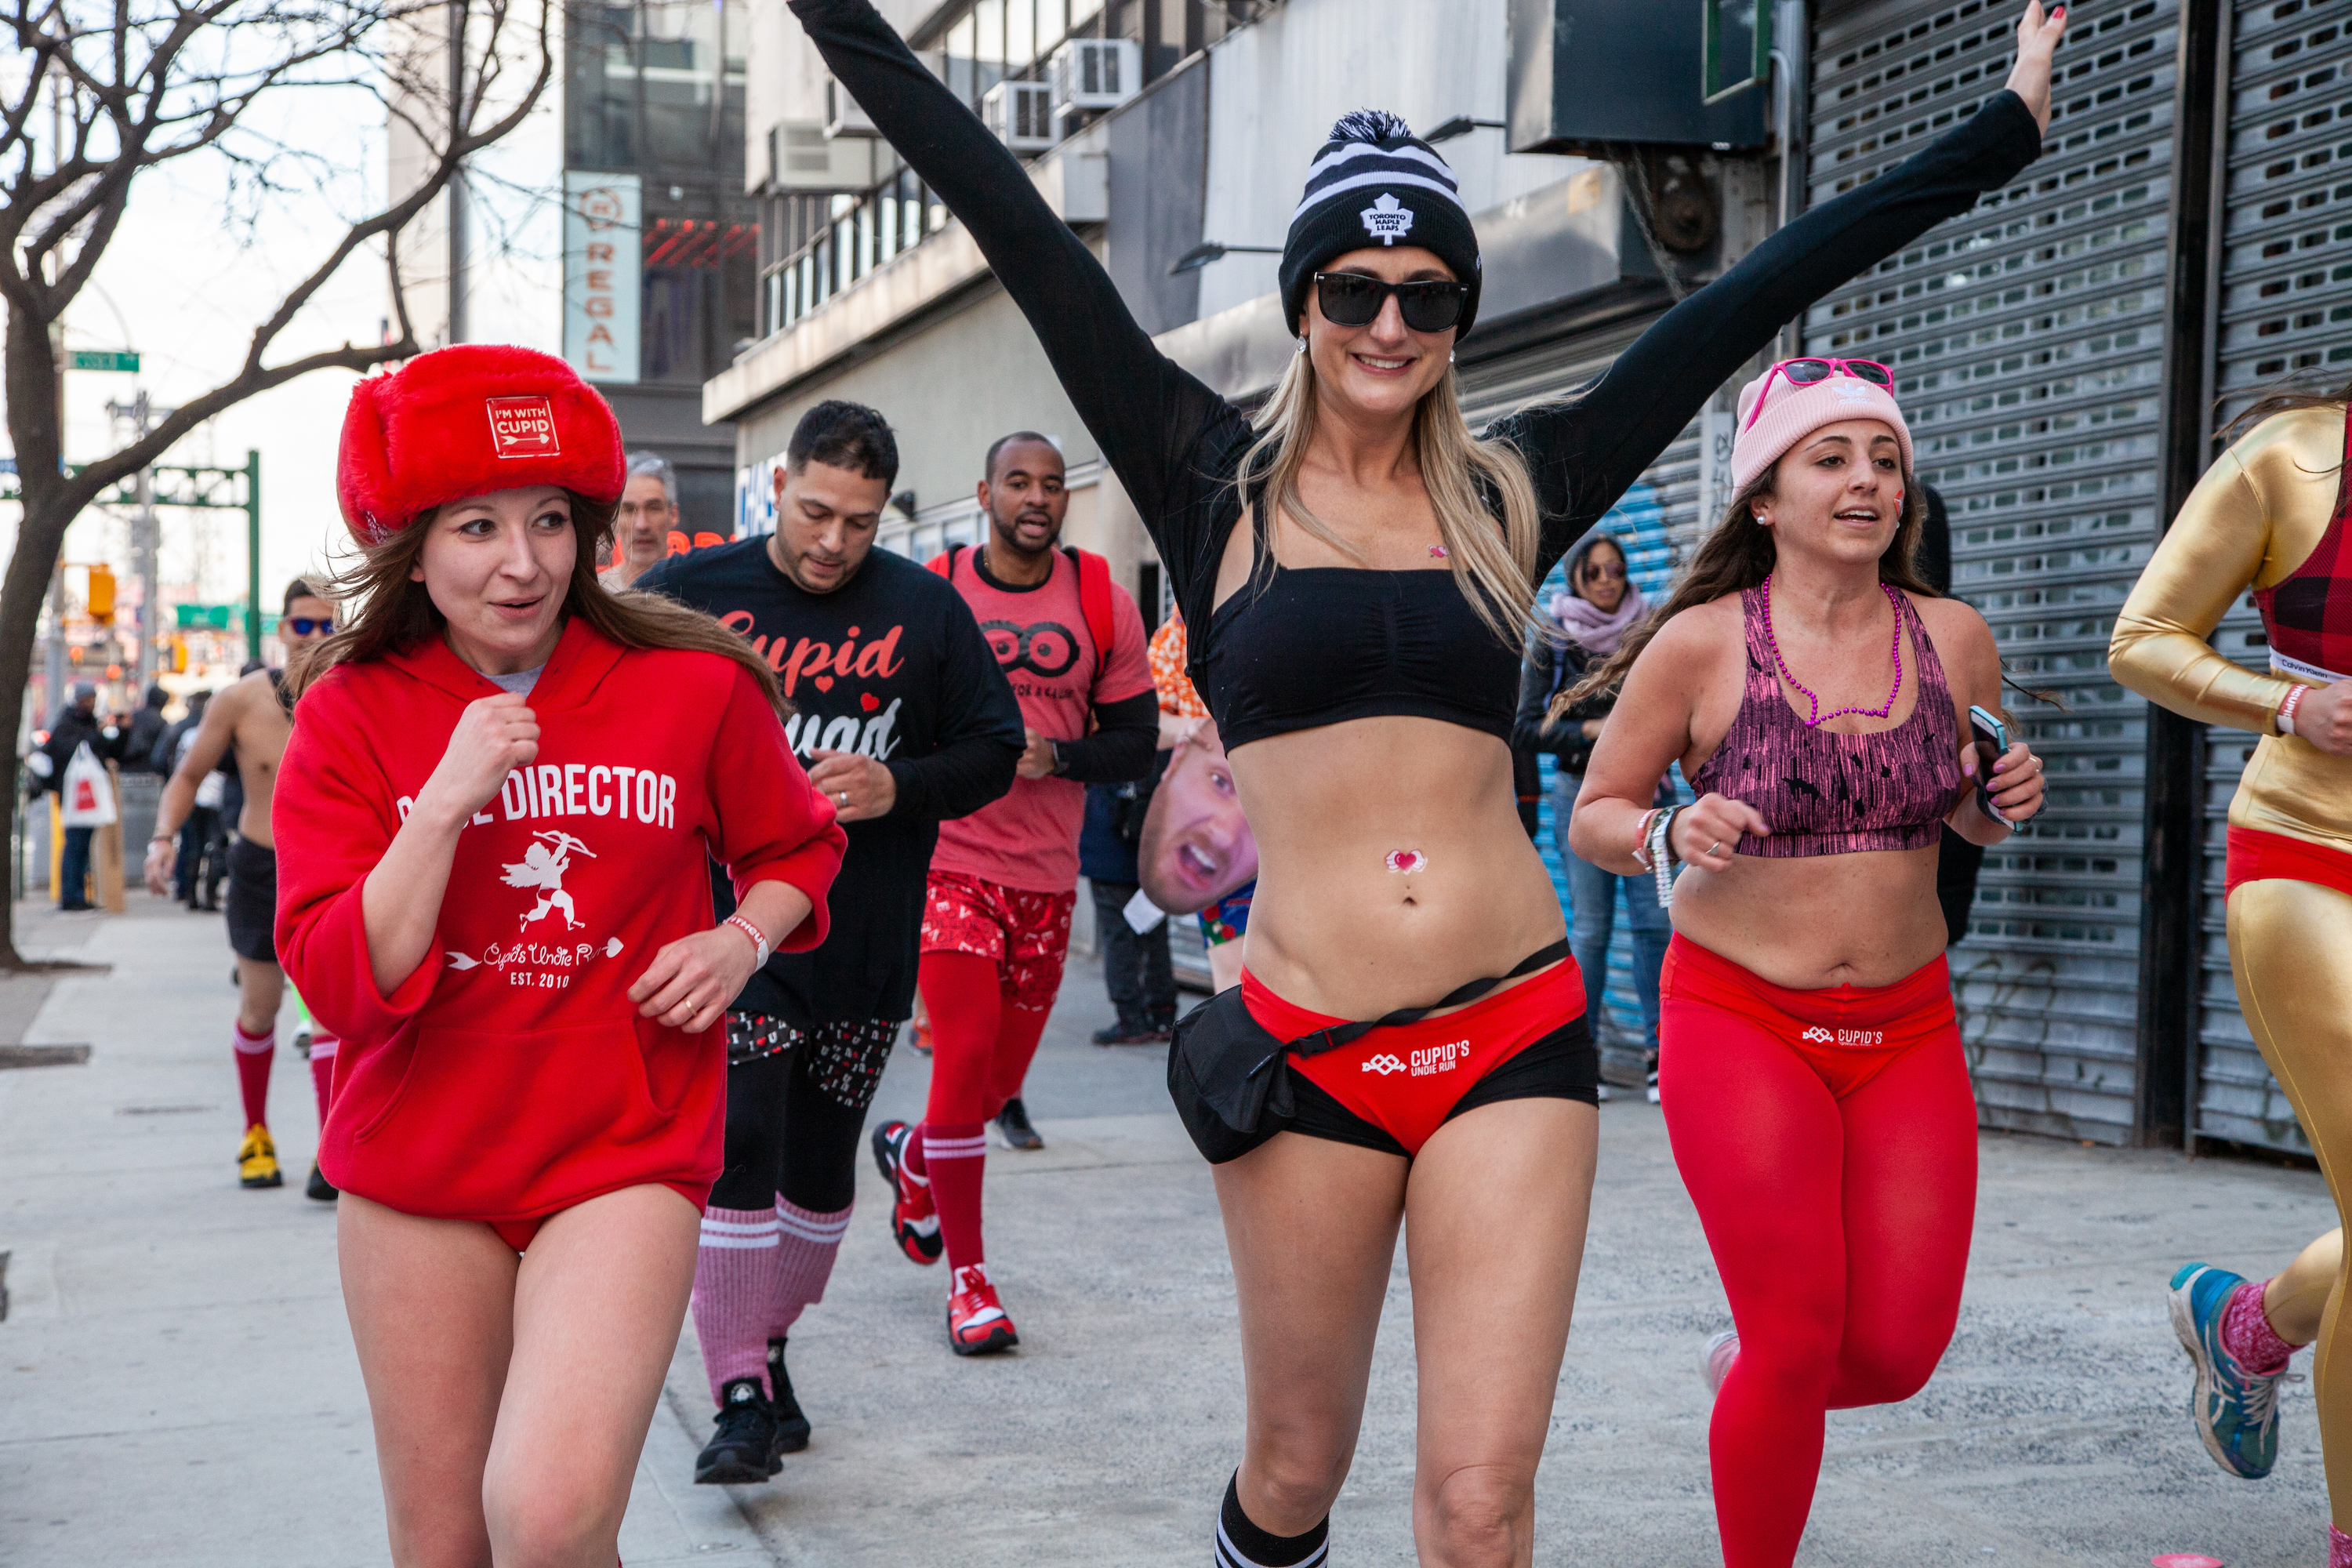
x: 1300, y: 347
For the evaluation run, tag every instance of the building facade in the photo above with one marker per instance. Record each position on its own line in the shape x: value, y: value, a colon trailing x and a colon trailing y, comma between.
x: 2068, y: 353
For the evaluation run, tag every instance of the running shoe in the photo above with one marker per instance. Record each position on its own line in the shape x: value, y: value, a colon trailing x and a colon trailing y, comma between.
x: 976, y: 1322
x: 914, y: 1223
x: 1144, y: 1032
x: 1012, y: 1121
x: 2236, y: 1411
x: 1715, y: 1356
x: 256, y: 1160
x: 919, y: 1035
x: 791, y: 1426
x: 318, y: 1188
x: 743, y: 1452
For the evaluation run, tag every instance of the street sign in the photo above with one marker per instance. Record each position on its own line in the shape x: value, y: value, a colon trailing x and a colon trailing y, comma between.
x: 205, y: 617
x: 101, y: 359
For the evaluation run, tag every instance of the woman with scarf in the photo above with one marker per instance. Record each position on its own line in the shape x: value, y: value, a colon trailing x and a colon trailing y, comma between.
x: 1598, y: 607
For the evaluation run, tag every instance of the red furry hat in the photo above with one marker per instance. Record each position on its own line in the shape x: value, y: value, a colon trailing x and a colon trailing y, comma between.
x: 465, y: 421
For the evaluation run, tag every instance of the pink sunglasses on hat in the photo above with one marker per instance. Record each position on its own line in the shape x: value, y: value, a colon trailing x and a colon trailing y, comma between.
x: 1812, y: 371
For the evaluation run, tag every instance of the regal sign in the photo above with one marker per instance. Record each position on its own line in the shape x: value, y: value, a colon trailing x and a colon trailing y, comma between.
x: 603, y: 222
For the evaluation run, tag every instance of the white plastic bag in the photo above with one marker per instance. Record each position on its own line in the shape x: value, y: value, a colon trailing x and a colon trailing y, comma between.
x: 89, y: 798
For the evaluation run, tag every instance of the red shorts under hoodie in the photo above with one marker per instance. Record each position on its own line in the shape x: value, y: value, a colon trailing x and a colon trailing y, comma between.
x: 510, y: 1077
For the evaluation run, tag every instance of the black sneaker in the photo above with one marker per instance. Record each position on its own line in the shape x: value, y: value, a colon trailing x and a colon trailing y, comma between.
x: 791, y: 1426
x: 1141, y: 1033
x: 743, y: 1452
x: 319, y: 1189
x: 1014, y: 1122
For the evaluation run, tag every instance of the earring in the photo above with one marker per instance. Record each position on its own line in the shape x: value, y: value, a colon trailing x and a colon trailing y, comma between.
x: 1300, y: 347
x: 1449, y: 356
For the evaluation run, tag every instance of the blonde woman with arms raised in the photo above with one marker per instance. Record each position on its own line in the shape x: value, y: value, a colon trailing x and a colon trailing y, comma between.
x: 1408, y: 1038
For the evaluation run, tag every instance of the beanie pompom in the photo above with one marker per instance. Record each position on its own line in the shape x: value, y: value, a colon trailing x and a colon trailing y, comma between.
x: 1370, y: 125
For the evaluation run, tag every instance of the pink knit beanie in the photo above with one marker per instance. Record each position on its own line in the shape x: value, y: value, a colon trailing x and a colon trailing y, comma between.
x: 1791, y: 413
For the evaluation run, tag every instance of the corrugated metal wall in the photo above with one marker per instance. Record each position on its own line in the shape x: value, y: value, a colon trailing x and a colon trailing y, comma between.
x: 1658, y: 523
x: 2027, y: 339
x: 2286, y: 307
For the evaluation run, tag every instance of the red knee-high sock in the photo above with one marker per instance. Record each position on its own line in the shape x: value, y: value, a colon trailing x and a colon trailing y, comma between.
x: 254, y: 1055
x: 322, y: 1071
x: 958, y: 1156
x: 959, y: 990
x: 1017, y: 1034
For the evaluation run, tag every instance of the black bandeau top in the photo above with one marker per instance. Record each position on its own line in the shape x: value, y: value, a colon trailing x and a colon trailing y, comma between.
x: 1304, y: 647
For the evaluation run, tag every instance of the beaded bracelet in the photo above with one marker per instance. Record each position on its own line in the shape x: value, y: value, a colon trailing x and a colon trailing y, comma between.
x: 759, y: 942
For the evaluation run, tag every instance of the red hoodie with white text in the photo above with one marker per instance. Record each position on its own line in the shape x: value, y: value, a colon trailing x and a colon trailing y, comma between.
x: 510, y: 1077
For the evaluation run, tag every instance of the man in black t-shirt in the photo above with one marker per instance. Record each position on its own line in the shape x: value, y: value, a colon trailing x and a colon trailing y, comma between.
x: 903, y: 718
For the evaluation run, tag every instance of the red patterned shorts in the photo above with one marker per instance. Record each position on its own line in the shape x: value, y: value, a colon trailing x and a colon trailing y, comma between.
x: 1028, y: 934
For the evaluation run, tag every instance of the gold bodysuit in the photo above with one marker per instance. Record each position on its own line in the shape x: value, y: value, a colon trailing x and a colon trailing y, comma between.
x: 2253, y: 522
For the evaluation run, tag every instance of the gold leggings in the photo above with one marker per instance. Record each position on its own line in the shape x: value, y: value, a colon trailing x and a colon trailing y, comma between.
x: 2287, y: 942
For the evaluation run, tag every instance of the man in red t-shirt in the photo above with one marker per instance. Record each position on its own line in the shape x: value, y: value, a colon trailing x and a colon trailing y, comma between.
x: 997, y: 917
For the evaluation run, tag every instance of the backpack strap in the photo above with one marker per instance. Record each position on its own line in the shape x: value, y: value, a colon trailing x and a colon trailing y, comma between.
x: 1095, y: 603
x: 944, y: 562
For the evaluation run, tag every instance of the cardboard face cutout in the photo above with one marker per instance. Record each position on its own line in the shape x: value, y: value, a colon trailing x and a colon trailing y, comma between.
x: 1196, y: 844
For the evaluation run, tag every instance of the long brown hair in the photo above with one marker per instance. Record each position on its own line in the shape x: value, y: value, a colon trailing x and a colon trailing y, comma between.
x: 1738, y: 556
x: 394, y: 614
x: 1471, y: 485
x: 2284, y: 397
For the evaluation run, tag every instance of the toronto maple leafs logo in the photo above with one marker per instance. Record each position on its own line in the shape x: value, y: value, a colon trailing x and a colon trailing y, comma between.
x: 542, y: 867
x: 1820, y: 1034
x: 1388, y: 219
x: 1384, y: 1064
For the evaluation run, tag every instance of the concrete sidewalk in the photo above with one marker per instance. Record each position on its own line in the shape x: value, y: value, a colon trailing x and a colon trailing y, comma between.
x: 177, y: 1385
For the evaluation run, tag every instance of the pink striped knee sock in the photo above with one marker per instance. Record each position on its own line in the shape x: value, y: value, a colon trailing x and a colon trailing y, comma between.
x: 2247, y: 1334
x: 734, y: 1278
x: 806, y: 1243
x: 2339, y: 1549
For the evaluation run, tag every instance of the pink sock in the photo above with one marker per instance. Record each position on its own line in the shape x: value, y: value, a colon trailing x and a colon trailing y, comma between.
x: 958, y: 1158
x: 806, y: 1245
x: 322, y: 1072
x: 734, y: 1278
x: 2247, y: 1334
x: 254, y: 1054
x: 2339, y: 1549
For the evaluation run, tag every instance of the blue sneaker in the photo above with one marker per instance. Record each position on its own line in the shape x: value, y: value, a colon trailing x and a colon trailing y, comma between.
x: 2236, y: 1411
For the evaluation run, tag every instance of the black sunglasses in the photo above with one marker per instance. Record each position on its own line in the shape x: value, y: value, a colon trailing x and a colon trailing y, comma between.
x: 304, y: 626
x: 1353, y: 300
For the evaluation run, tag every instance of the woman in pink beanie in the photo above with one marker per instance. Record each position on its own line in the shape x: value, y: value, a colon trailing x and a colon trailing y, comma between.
x: 1816, y: 693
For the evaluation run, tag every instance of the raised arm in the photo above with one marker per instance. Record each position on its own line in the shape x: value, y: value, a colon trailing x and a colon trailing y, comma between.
x: 1583, y: 454
x: 1146, y: 413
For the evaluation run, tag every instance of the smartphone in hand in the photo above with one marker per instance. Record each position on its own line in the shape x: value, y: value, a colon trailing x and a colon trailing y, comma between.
x: 1989, y: 736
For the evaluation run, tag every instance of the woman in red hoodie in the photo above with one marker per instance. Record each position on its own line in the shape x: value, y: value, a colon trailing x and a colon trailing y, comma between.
x: 492, y: 826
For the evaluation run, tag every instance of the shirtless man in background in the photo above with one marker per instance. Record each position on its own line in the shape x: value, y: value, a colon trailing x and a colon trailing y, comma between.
x: 252, y: 719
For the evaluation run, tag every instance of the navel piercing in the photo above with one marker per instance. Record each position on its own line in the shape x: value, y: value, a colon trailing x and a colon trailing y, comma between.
x: 1437, y: 552
x: 1407, y: 860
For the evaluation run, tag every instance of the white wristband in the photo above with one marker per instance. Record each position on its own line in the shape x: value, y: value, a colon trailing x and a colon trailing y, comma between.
x: 759, y: 942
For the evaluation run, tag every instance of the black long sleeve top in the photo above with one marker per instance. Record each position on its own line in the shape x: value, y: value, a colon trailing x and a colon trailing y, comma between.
x: 891, y: 666
x: 1177, y: 445
x: 1549, y: 668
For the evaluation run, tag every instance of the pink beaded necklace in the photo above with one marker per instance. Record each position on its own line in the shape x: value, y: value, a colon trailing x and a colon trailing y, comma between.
x: 1819, y: 718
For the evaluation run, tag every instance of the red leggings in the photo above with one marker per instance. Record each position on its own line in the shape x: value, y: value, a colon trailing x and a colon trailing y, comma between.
x: 1829, y: 1140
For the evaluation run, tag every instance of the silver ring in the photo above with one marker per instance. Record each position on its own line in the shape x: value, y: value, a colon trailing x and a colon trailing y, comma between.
x: 1715, y: 848
x: 844, y: 797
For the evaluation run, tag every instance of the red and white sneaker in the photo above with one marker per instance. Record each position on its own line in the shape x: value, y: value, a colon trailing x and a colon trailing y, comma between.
x: 914, y: 1223
x: 976, y: 1322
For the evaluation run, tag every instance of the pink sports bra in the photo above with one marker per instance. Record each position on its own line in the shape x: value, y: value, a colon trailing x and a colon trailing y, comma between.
x: 1829, y: 794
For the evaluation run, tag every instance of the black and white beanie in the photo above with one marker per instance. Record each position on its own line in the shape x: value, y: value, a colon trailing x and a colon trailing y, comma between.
x: 1375, y: 183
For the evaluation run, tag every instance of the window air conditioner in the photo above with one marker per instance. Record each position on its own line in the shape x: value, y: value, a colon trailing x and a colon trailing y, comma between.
x: 1020, y: 114
x: 1094, y: 74
x: 842, y: 115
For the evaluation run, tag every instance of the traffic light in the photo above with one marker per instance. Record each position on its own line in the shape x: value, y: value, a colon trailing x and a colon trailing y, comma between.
x: 179, y: 655
x: 101, y: 593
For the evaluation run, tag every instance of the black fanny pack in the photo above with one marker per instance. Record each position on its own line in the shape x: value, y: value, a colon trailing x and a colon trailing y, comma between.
x: 1230, y: 1077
